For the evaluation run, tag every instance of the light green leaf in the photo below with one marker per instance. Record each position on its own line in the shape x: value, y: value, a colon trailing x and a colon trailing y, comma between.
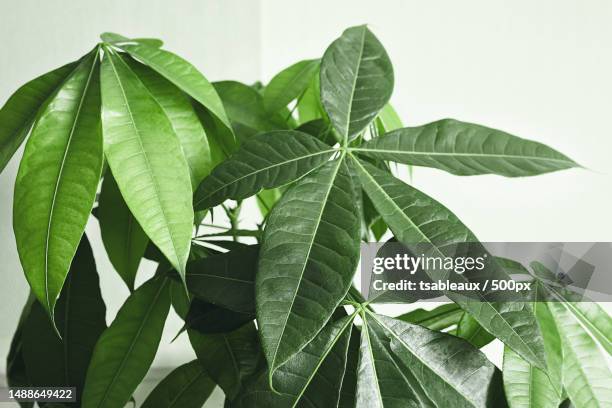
x: 228, y: 358
x: 183, y: 118
x: 267, y: 160
x: 246, y: 111
x: 466, y: 149
x: 450, y: 371
x: 19, y: 111
x: 586, y: 375
x: 125, y: 351
x: 57, y: 181
x: 124, y: 240
x: 289, y: 84
x: 527, y: 386
x: 356, y: 80
x: 309, y: 106
x: 182, y: 74
x: 440, y: 318
x: 408, y: 212
x: 307, y: 260
x: 147, y: 160
x: 80, y: 316
x: 388, y: 119
x: 187, y: 386
x: 468, y: 328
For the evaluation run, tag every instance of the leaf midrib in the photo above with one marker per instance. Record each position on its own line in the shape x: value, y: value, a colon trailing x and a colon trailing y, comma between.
x: 152, y: 305
x: 453, y: 154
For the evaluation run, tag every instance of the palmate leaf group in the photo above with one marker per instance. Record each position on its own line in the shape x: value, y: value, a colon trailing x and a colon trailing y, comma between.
x: 313, y: 147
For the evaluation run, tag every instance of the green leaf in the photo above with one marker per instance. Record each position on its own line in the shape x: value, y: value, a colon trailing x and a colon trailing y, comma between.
x: 450, y: 370
x: 320, y: 129
x: 597, y: 321
x: 309, y: 106
x: 307, y: 260
x: 80, y: 317
x: 125, y: 351
x: 183, y: 118
x: 266, y: 199
x: 356, y: 80
x: 408, y: 212
x: 527, y: 386
x: 349, y: 382
x: 468, y: 328
x: 289, y: 84
x: 57, y: 181
x: 124, y: 240
x: 182, y: 74
x: 19, y: 111
x: 267, y: 160
x: 245, y: 108
x: 147, y: 160
x: 207, y: 318
x: 586, y: 375
x: 226, y: 279
x: 440, y: 318
x: 228, y: 358
x: 187, y: 386
x: 388, y: 119
x: 466, y: 149
x: 114, y: 38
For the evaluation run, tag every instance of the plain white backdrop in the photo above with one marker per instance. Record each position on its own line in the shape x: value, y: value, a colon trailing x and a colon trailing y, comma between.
x: 538, y: 69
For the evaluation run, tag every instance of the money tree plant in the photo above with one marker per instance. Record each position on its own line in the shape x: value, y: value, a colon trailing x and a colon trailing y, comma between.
x: 135, y: 138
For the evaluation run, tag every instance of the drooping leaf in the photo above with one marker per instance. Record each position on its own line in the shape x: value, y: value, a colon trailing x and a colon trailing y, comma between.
x: 19, y: 111
x: 147, y: 160
x: 57, y: 181
x: 185, y: 122
x: 228, y: 358
x: 187, y: 386
x: 207, y: 318
x: 466, y: 149
x: 408, y: 212
x: 182, y: 74
x: 124, y: 240
x: 226, y: 279
x: 267, y: 160
x: 289, y: 84
x: 440, y: 318
x: 527, y: 386
x: 307, y: 260
x: 246, y: 111
x: 468, y: 328
x: 125, y: 351
x: 586, y: 375
x: 450, y: 370
x: 80, y: 318
x: 114, y: 38
x: 356, y: 80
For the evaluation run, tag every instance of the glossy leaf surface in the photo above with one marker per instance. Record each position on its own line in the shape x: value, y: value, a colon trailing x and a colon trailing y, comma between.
x: 147, y: 160
x: 19, y: 111
x: 356, y: 80
x: 307, y: 260
x: 267, y: 160
x: 466, y: 149
x: 57, y: 182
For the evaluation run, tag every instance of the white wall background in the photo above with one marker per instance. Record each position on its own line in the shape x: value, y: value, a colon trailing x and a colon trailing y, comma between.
x: 540, y: 70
